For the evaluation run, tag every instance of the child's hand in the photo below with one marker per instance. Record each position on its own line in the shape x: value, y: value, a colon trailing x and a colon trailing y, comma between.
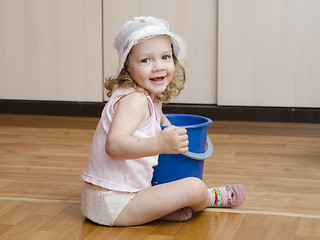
x: 174, y: 140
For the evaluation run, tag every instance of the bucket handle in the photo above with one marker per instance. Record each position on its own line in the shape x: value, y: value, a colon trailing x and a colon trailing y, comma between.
x: 201, y: 156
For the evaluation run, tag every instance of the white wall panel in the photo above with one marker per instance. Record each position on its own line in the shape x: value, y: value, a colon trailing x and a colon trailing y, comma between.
x: 51, y: 50
x: 269, y: 53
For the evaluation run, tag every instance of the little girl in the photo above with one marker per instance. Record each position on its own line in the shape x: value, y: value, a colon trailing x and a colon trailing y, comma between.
x: 128, y: 139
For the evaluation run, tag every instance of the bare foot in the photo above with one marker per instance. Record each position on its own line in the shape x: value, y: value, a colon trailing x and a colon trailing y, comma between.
x: 182, y: 214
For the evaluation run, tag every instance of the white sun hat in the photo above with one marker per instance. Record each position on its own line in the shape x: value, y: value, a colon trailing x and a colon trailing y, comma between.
x: 140, y: 29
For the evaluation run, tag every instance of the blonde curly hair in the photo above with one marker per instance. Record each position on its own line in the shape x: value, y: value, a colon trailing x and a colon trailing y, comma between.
x: 173, y: 89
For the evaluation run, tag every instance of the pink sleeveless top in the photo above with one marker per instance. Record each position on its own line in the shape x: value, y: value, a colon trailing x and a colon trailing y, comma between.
x: 122, y: 175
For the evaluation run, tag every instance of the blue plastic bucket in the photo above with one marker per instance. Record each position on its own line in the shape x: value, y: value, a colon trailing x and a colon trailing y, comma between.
x: 172, y: 167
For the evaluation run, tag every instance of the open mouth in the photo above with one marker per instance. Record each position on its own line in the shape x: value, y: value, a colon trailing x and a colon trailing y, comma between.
x: 157, y: 80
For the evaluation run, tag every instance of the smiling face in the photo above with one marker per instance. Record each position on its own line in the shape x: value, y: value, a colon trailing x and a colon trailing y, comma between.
x: 150, y: 64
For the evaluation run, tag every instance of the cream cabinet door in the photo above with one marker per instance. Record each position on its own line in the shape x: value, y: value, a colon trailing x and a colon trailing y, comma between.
x: 269, y: 53
x: 51, y: 50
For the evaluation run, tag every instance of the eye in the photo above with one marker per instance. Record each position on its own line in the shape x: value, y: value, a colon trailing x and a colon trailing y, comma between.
x: 145, y: 60
x: 166, y: 57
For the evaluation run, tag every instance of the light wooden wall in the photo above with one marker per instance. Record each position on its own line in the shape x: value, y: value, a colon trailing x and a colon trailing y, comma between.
x: 51, y: 50
x: 268, y: 49
x: 269, y: 53
x: 194, y: 21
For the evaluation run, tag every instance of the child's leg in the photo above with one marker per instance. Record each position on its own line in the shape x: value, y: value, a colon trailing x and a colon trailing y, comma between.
x: 153, y: 203
x: 227, y: 196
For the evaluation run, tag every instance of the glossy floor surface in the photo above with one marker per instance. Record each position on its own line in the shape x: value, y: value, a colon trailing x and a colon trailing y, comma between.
x: 42, y: 157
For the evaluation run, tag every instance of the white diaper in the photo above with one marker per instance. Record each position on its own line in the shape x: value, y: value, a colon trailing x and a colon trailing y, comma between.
x: 102, y: 205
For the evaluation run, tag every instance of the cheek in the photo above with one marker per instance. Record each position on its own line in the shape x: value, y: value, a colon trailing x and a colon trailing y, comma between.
x: 135, y: 71
x: 171, y: 71
x: 139, y: 75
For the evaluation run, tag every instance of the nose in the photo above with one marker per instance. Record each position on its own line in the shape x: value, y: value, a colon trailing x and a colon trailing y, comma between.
x: 158, y: 65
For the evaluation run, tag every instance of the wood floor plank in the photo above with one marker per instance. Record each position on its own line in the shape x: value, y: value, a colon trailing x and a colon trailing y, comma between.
x: 253, y: 227
x: 6, y: 206
x: 168, y: 229
x: 42, y: 157
x: 65, y: 219
x: 4, y: 228
x: 51, y: 209
x: 40, y: 235
x: 19, y: 213
x: 133, y: 233
x: 224, y: 226
x: 282, y: 228
x: 101, y: 232
x: 25, y: 227
x: 196, y: 228
x: 309, y: 228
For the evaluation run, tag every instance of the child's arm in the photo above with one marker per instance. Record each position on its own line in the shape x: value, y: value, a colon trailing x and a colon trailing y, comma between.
x: 164, y: 120
x: 131, y: 111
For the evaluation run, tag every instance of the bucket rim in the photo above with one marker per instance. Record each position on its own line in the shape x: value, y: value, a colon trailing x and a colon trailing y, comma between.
x: 207, y: 122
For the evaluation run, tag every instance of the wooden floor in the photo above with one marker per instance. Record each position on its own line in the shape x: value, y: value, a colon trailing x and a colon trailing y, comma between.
x: 41, y: 159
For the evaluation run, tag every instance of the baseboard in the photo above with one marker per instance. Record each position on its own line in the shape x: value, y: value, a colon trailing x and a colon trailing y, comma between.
x: 53, y: 108
x: 228, y: 113
x: 244, y: 113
